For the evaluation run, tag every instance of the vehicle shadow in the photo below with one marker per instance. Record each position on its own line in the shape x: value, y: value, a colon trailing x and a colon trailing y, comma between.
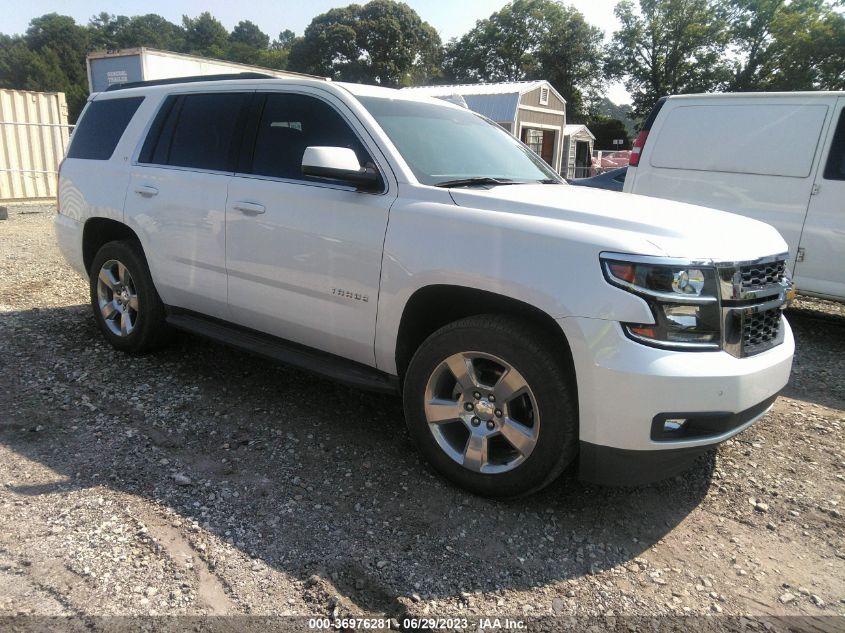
x: 313, y: 478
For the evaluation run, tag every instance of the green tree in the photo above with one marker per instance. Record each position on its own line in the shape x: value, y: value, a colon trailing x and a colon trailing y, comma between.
x: 780, y: 45
x: 104, y: 29
x: 275, y: 56
x: 22, y: 68
x: 59, y: 46
x: 606, y: 130
x: 285, y: 40
x: 65, y: 37
x: 605, y: 108
x: 248, y: 44
x: 15, y: 61
x: 383, y: 42
x: 44, y: 74
x: 532, y: 39
x: 571, y: 58
x: 205, y: 35
x: 248, y: 34
x: 668, y: 47
x: 152, y: 31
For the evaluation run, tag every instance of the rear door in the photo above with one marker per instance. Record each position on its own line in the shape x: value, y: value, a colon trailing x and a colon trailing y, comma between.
x: 822, y: 270
x: 176, y: 200
x: 303, y: 255
x: 94, y: 174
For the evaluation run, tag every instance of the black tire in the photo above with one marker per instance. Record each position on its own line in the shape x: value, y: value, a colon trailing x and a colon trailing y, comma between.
x: 149, y: 330
x: 547, y: 375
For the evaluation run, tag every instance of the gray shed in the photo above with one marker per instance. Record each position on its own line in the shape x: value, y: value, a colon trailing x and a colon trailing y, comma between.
x: 577, y: 151
x: 533, y: 111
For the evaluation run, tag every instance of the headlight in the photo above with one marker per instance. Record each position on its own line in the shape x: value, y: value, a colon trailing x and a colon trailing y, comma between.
x: 683, y: 298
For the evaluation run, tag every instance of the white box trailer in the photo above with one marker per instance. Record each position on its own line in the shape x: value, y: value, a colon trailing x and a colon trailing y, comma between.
x: 147, y: 64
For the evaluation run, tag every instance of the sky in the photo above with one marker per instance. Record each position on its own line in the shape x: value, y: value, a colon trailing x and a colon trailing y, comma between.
x: 451, y: 18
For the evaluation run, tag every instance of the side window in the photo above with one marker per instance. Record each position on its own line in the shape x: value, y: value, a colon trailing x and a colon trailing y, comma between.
x: 291, y: 122
x: 835, y: 168
x: 197, y: 130
x: 99, y: 131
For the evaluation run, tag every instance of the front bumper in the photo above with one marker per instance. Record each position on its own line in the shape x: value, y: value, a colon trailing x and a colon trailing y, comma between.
x: 626, y: 390
x: 611, y: 466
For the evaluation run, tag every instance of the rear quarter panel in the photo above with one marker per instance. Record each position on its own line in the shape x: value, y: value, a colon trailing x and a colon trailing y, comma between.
x: 97, y: 188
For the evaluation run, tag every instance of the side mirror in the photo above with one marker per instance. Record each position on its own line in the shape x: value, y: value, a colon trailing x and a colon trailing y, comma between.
x: 340, y: 164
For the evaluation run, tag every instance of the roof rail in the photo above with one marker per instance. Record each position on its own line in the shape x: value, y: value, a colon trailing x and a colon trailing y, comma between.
x: 187, y: 80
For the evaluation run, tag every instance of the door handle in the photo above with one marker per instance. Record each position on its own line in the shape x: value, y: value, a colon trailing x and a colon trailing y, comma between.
x: 146, y: 190
x: 249, y: 207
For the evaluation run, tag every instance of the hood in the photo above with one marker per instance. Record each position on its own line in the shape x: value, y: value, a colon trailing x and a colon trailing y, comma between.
x: 675, y: 229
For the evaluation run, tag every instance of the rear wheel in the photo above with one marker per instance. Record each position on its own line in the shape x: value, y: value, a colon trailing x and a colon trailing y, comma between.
x: 126, y: 306
x: 491, y: 407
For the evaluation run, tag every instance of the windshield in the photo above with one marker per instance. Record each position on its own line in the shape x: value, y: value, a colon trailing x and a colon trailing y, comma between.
x: 443, y: 143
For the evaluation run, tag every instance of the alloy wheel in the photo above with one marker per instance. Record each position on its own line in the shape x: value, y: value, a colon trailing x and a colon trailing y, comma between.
x: 482, y: 412
x: 117, y: 298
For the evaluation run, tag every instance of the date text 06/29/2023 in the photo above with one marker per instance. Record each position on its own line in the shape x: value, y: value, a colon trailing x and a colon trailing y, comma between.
x: 417, y: 624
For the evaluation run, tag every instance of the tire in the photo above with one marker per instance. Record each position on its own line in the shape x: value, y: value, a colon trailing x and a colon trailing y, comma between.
x: 124, y: 300
x: 531, y: 434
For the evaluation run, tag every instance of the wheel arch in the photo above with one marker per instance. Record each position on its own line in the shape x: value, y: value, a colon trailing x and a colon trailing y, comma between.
x: 99, y: 231
x: 431, y: 307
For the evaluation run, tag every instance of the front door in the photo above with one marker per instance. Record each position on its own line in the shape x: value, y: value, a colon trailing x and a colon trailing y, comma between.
x: 823, y: 239
x: 547, y: 153
x: 304, y: 256
x: 583, y: 160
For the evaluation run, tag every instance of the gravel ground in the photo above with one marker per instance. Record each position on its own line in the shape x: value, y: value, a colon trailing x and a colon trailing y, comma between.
x: 200, y: 481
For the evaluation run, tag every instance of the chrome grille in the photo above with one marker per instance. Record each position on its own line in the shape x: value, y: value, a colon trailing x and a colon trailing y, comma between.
x: 752, y: 297
x: 761, y: 331
x: 756, y: 276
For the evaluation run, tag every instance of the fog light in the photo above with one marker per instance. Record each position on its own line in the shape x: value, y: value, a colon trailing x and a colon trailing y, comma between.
x: 673, y: 425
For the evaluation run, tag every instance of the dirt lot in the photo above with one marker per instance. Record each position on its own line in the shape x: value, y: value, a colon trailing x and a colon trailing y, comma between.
x: 200, y: 480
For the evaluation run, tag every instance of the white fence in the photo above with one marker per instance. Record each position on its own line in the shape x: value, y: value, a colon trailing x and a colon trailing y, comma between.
x: 34, y: 135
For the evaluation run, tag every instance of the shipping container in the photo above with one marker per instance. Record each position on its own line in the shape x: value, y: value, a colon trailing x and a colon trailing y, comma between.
x: 34, y: 135
x: 147, y: 64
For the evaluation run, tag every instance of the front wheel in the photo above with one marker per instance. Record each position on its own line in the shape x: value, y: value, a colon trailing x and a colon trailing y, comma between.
x: 126, y: 306
x: 491, y: 407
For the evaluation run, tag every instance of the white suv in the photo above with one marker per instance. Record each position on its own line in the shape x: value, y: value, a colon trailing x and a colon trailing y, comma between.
x: 409, y: 245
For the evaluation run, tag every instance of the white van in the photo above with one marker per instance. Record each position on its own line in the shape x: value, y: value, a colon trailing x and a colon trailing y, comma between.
x: 775, y: 157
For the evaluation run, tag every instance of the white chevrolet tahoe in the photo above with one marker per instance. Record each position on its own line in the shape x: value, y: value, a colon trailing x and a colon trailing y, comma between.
x: 409, y: 245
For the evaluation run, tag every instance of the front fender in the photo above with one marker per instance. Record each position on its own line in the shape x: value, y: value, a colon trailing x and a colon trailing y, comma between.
x: 546, y: 263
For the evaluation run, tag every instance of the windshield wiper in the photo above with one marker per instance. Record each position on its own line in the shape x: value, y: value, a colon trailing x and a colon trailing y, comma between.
x: 476, y: 181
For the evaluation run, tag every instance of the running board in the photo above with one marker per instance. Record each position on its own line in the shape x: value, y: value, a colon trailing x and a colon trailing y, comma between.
x: 334, y: 367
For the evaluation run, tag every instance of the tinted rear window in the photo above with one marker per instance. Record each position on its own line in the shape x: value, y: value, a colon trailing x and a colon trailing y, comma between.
x: 197, y: 130
x: 100, y: 129
x: 754, y: 138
